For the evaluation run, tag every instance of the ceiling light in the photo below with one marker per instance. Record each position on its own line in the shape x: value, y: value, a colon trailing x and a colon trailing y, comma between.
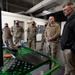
x: 46, y: 12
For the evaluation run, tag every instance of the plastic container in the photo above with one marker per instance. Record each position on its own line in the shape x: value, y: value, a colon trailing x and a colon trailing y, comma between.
x: 22, y: 43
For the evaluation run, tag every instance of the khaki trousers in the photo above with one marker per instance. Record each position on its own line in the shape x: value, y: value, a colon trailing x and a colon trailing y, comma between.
x: 17, y: 41
x: 32, y: 43
x: 7, y: 41
x: 51, y: 49
x: 69, y: 60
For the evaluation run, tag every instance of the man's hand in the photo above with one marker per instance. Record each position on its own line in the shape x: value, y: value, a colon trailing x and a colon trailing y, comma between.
x: 48, y: 39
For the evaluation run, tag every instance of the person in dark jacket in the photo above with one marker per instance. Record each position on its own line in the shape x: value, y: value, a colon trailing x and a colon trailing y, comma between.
x: 68, y: 39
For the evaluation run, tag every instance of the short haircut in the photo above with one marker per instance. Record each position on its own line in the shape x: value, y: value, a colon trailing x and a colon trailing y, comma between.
x: 51, y: 16
x: 33, y: 22
x: 67, y: 4
x: 6, y: 23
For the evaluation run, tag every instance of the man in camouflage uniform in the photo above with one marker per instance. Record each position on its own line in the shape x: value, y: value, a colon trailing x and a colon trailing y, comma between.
x: 52, y: 33
x: 43, y: 38
x: 17, y: 32
x: 31, y: 35
x: 7, y: 37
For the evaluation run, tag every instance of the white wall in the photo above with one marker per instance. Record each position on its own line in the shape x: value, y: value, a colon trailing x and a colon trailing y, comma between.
x: 10, y: 17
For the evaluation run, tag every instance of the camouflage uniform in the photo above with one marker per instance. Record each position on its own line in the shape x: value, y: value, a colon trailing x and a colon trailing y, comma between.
x: 31, y: 36
x: 7, y: 37
x: 17, y: 32
x: 52, y: 31
x: 43, y: 38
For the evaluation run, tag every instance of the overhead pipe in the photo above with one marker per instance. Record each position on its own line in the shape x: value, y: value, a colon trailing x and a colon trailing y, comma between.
x: 40, y: 5
x: 55, y: 9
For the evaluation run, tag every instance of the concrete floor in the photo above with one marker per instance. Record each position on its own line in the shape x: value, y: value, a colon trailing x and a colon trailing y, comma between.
x: 59, y: 71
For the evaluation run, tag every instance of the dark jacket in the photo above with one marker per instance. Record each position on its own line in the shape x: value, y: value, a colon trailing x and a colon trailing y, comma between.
x: 68, y: 36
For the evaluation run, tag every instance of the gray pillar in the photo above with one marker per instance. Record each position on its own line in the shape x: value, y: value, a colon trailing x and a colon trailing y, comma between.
x: 1, y: 4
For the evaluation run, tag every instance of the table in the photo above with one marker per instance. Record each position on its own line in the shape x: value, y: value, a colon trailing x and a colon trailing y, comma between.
x: 24, y: 61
